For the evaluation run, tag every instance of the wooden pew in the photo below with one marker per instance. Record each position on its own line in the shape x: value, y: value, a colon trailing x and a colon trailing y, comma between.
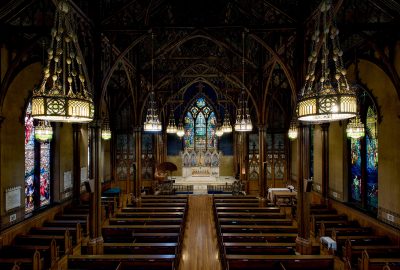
x: 48, y: 253
x: 274, y: 262
x: 258, y: 248
x: 142, y: 238
x: 353, y: 250
x: 257, y: 228
x: 254, y: 221
x: 162, y: 204
x: 259, y: 237
x: 68, y: 223
x: 110, y: 262
x: 62, y: 241
x: 150, y: 215
x: 316, y: 220
x: 145, y: 221
x: 127, y: 233
x: 141, y: 248
x: 153, y: 209
x: 367, y: 262
x: 35, y: 262
x: 75, y: 232
x: 327, y: 227
x: 236, y: 204
x: 251, y: 215
x: 248, y: 209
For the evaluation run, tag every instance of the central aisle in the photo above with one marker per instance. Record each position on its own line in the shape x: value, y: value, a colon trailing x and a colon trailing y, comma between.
x: 200, y: 246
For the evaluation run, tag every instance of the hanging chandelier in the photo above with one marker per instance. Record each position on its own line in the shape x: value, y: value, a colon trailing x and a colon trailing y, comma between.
x: 152, y: 122
x: 355, y: 128
x: 43, y: 131
x: 326, y: 95
x: 226, y: 125
x: 219, y: 132
x: 171, y: 128
x: 293, y: 132
x: 105, y: 130
x: 180, y: 130
x: 63, y: 95
x: 243, y: 121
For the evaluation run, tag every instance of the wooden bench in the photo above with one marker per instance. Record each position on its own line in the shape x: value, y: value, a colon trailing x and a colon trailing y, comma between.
x: 63, y: 242
x: 316, y: 220
x: 110, y: 262
x: 75, y: 232
x: 257, y: 228
x: 150, y: 215
x: 248, y: 209
x: 327, y: 227
x: 162, y: 204
x: 254, y: 221
x: 145, y: 221
x: 152, y: 209
x: 259, y: 248
x: 237, y: 204
x: 141, y: 248
x: 367, y: 262
x: 275, y: 262
x: 141, y: 237
x: 127, y: 233
x: 259, y: 237
x: 34, y: 262
x: 251, y: 215
x: 68, y: 223
x: 359, y: 240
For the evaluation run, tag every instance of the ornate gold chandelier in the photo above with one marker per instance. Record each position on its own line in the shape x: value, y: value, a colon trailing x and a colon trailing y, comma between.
x: 171, y: 128
x: 180, y: 130
x: 293, y: 131
x: 326, y: 95
x: 355, y: 128
x: 226, y: 125
x: 43, y: 131
x: 63, y: 95
x: 105, y: 130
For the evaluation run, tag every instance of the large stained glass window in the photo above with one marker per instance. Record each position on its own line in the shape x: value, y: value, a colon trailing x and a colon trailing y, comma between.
x: 200, y: 124
x: 372, y: 159
x: 364, y: 164
x: 37, y: 167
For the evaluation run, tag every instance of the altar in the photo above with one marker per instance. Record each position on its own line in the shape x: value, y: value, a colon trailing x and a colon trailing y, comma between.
x: 200, y: 163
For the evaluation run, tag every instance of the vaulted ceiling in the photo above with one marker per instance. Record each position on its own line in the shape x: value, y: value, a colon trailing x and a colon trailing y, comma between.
x: 198, y: 41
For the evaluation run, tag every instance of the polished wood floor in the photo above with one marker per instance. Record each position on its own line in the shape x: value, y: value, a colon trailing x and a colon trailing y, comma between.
x: 200, y: 247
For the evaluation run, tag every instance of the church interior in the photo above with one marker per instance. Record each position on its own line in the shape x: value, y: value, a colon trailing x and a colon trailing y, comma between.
x: 224, y: 134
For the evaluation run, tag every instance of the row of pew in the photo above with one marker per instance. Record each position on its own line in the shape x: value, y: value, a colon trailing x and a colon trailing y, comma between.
x: 47, y: 245
x: 144, y: 235
x: 359, y: 247
x: 254, y: 237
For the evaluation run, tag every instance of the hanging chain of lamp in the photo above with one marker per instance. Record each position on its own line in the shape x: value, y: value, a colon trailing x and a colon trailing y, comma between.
x: 63, y: 95
x: 152, y: 122
x: 326, y: 95
x: 243, y: 121
x: 43, y: 131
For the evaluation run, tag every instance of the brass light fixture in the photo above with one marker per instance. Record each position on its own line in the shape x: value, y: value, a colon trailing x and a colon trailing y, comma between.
x: 105, y: 130
x: 180, y: 130
x: 219, y: 132
x: 293, y: 131
x: 326, y: 95
x: 226, y: 125
x: 171, y: 128
x: 63, y: 95
x: 243, y: 121
x: 43, y: 131
x: 152, y: 122
x: 355, y: 128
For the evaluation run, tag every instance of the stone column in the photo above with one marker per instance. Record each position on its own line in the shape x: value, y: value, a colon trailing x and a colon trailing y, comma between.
x: 95, y: 245
x: 325, y: 161
x: 138, y: 156
x: 303, y: 241
x: 76, y: 167
x: 262, y: 133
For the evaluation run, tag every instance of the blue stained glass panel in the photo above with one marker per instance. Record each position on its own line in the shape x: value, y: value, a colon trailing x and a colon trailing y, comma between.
x: 189, y: 131
x: 44, y: 174
x: 372, y: 160
x: 201, y: 102
x: 29, y: 160
x: 356, y: 170
x: 211, y: 140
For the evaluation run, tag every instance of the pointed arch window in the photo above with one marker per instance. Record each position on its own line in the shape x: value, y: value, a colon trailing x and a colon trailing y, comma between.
x: 200, y: 125
x: 364, y: 163
x: 37, y: 167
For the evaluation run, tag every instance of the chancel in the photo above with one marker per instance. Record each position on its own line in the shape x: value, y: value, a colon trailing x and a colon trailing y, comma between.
x: 191, y: 135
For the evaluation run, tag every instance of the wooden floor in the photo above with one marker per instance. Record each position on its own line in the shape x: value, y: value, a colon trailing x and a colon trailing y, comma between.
x: 200, y: 247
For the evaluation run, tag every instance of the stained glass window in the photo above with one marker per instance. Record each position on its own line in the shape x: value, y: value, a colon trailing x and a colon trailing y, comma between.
x: 372, y: 159
x: 364, y: 164
x: 37, y: 167
x: 200, y: 124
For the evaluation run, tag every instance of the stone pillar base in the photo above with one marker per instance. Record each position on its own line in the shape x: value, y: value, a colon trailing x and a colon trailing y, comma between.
x: 95, y: 246
x: 303, y: 246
